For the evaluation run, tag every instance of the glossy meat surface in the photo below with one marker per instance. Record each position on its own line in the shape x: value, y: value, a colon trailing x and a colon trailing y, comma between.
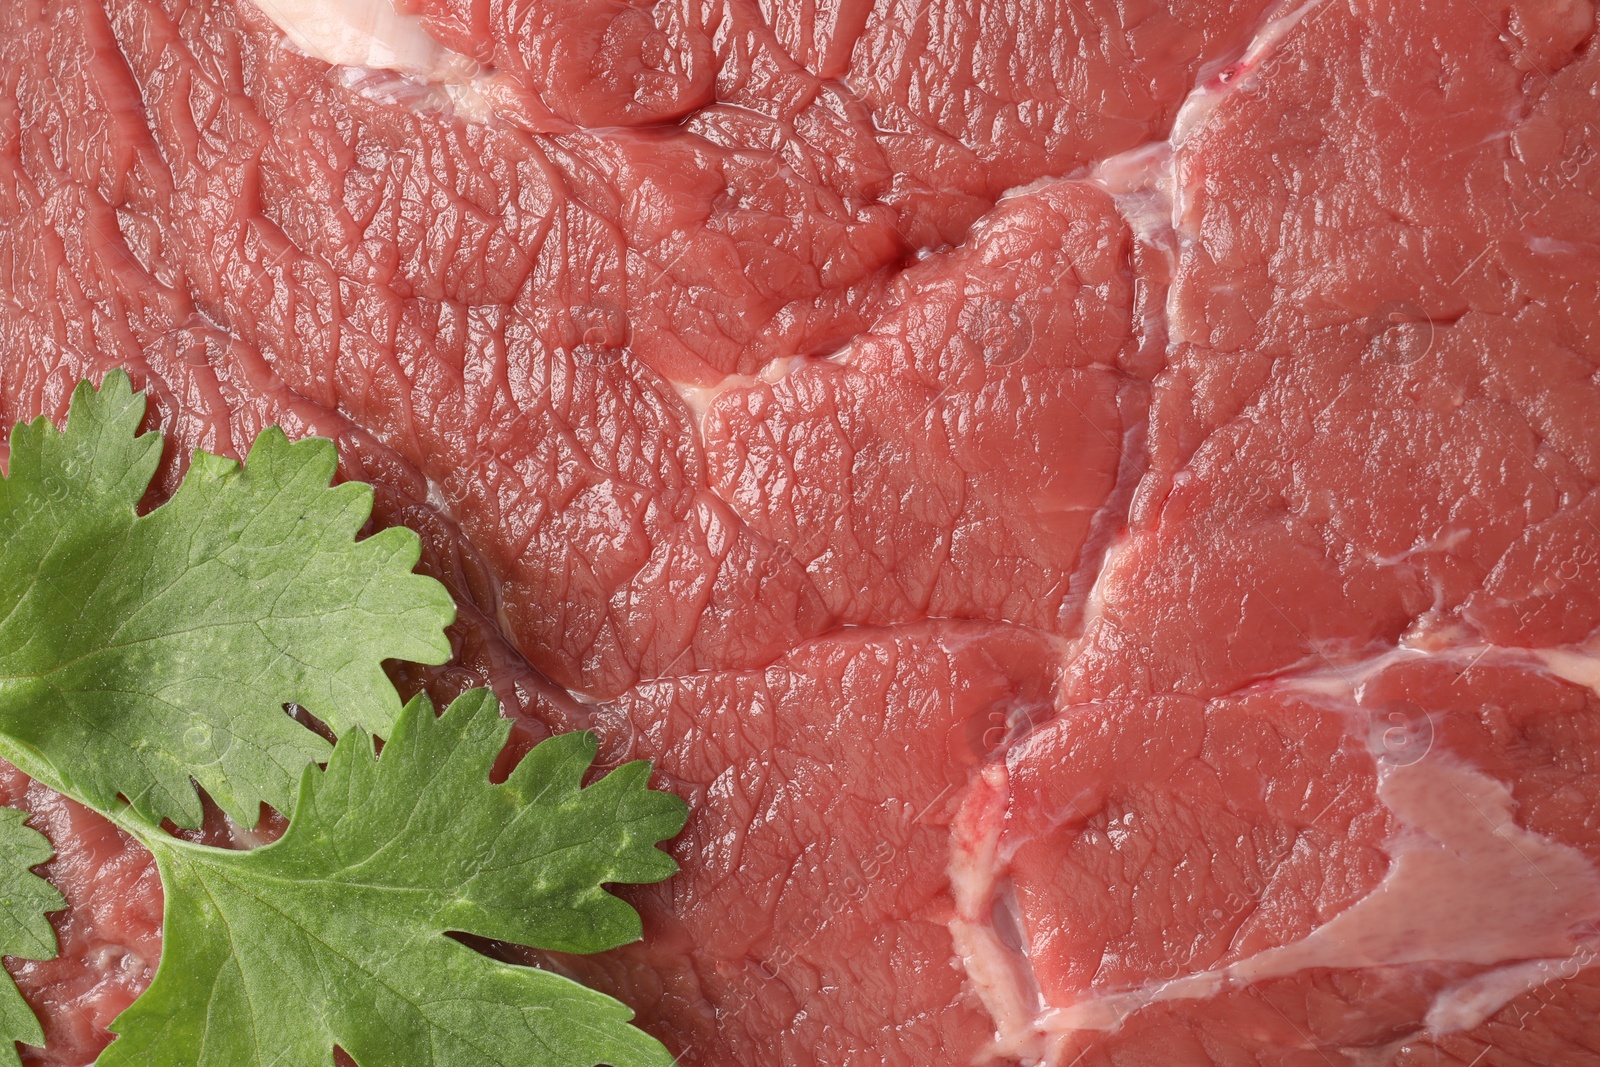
x: 1089, y: 502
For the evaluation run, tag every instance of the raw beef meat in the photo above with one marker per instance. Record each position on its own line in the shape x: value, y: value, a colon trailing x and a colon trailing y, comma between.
x: 1096, y: 506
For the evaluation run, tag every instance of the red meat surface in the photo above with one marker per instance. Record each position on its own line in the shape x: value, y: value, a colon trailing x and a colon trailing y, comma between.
x: 1096, y: 506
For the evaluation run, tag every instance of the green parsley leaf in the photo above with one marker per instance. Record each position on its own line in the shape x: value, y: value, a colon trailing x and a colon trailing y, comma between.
x: 138, y: 651
x: 24, y: 931
x: 336, y: 933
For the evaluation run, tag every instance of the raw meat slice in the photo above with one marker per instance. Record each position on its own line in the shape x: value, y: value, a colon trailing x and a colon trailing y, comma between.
x: 862, y: 411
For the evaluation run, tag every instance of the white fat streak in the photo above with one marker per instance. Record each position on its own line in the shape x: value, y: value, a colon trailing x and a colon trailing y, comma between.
x: 1447, y: 898
x: 1141, y: 183
x: 1580, y: 666
x: 357, y: 33
x: 1199, y: 104
x: 994, y: 970
x: 364, y: 36
x: 699, y: 398
x: 1467, y: 1005
x: 1472, y: 859
x: 1461, y: 857
x: 1094, y: 605
x: 1467, y: 885
x: 1197, y: 109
